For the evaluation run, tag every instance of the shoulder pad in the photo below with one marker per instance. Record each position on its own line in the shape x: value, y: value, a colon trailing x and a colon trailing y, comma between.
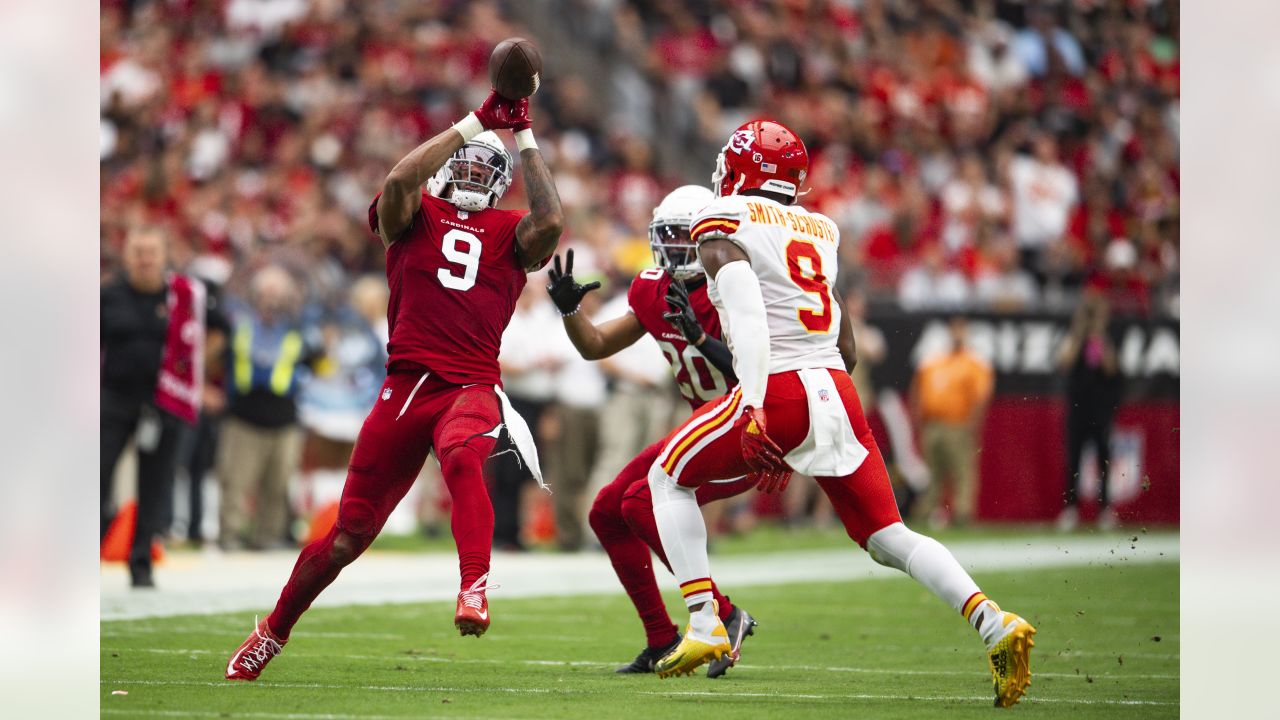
x: 719, y: 219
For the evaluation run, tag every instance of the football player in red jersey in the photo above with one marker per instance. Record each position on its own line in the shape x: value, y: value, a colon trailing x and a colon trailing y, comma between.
x: 455, y: 265
x: 670, y: 303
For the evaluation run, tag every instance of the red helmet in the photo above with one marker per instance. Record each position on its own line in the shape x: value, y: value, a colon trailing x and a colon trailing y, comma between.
x: 764, y: 155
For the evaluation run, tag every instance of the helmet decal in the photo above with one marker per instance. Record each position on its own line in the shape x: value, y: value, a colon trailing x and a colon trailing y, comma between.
x: 741, y: 141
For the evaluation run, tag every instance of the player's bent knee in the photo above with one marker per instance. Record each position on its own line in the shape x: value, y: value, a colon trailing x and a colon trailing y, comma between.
x: 460, y: 457
x: 356, y: 516
x: 893, y: 546
x: 347, y: 547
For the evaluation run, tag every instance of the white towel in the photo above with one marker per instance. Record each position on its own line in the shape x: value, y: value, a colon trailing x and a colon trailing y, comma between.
x: 518, y: 429
x: 830, y: 449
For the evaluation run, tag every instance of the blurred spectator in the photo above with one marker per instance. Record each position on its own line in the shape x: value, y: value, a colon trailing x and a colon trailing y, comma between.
x: 201, y: 446
x: 528, y: 378
x: 334, y: 405
x: 145, y: 318
x: 640, y: 408
x: 1002, y: 285
x: 949, y: 399
x: 1094, y: 386
x: 992, y: 61
x: 1044, y: 192
x: 1044, y: 45
x: 580, y: 394
x: 933, y: 285
x: 970, y: 200
x: 261, y: 442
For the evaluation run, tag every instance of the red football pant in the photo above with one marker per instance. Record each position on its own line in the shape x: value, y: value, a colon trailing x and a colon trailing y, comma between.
x: 413, y: 415
x: 622, y: 518
x: 708, y: 446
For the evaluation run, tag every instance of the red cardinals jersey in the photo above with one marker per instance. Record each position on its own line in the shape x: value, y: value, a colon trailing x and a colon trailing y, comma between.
x: 454, y: 279
x: 698, y: 379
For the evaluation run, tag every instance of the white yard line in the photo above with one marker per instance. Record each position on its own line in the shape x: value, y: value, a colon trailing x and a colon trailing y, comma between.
x: 214, y: 583
x: 610, y: 664
x: 669, y: 693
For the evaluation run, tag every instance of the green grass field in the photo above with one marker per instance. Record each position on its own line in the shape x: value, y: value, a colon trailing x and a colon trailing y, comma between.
x: 1108, y: 646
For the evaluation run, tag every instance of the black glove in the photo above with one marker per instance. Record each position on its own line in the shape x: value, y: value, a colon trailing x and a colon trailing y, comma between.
x: 565, y: 292
x: 681, y: 315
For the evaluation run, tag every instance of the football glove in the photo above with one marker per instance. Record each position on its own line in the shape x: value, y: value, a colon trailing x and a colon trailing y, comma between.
x: 499, y: 113
x: 565, y: 292
x: 681, y: 316
x: 769, y: 482
x: 758, y: 450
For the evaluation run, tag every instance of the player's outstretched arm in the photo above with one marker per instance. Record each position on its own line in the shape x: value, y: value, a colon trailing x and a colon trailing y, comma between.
x: 539, y: 231
x: 848, y: 347
x: 401, y: 191
x: 592, y: 341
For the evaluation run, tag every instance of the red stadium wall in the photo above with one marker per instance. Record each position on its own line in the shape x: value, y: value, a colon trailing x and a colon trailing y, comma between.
x: 1023, y: 460
x: 1023, y: 457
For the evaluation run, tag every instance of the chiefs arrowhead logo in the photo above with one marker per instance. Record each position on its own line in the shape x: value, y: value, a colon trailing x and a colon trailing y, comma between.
x: 741, y: 141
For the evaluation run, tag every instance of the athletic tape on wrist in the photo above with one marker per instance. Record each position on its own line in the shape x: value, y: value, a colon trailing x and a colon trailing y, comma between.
x: 469, y: 127
x: 525, y: 141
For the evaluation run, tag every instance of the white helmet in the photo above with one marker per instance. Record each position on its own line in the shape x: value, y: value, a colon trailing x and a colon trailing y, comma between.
x: 480, y: 172
x: 669, y: 232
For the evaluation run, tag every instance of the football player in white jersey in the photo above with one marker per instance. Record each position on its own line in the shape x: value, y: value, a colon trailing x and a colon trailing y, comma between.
x: 771, y: 266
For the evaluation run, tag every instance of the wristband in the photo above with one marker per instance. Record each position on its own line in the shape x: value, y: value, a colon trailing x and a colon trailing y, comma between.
x: 469, y: 127
x: 525, y: 141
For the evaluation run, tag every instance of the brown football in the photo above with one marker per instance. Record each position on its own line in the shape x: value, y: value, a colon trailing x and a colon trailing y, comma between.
x: 514, y: 68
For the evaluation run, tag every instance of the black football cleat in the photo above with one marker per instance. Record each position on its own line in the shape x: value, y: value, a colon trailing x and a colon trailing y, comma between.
x: 647, y: 658
x: 740, y: 626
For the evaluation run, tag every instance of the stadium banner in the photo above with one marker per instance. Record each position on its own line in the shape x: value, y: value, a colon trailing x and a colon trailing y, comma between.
x: 1022, y: 463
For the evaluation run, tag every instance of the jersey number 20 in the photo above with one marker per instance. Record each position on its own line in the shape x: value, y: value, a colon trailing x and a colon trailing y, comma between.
x: 468, y: 256
x: 811, y: 280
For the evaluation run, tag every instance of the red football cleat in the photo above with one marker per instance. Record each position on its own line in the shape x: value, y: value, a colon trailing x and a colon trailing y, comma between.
x: 472, y: 617
x: 254, y: 653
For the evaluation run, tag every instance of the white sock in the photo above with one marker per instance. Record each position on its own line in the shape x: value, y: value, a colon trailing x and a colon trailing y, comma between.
x: 702, y: 623
x: 932, y: 565
x: 684, y: 535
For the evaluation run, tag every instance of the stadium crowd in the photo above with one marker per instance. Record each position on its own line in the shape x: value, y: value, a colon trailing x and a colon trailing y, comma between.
x: 1000, y: 155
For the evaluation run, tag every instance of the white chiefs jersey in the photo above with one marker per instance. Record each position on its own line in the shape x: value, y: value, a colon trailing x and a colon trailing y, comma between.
x: 793, y: 253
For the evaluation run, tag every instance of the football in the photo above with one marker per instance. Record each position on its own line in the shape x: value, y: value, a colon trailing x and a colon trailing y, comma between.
x: 514, y: 68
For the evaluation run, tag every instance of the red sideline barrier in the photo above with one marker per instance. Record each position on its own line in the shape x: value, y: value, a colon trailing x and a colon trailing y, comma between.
x: 1022, y: 465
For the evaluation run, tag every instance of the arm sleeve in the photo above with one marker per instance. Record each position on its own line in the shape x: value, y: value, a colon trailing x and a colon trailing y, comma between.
x: 717, y: 353
x: 748, y: 328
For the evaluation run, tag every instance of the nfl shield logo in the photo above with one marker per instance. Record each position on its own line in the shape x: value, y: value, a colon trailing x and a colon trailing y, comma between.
x: 386, y: 393
x: 823, y: 395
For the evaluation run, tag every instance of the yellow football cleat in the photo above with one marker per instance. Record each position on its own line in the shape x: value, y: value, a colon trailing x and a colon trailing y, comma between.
x: 1010, y: 660
x: 692, y: 653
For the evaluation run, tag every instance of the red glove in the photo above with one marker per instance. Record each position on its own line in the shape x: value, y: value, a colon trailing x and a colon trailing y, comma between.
x: 758, y: 450
x: 769, y: 482
x: 499, y: 113
x: 520, y: 117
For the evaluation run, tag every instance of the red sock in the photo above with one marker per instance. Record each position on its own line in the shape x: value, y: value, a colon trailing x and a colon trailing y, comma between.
x: 472, y: 519
x: 637, y: 509
x: 632, y: 563
x: 317, y: 567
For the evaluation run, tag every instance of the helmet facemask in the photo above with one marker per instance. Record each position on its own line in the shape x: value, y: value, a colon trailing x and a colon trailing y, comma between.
x: 673, y: 248
x: 479, y: 176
